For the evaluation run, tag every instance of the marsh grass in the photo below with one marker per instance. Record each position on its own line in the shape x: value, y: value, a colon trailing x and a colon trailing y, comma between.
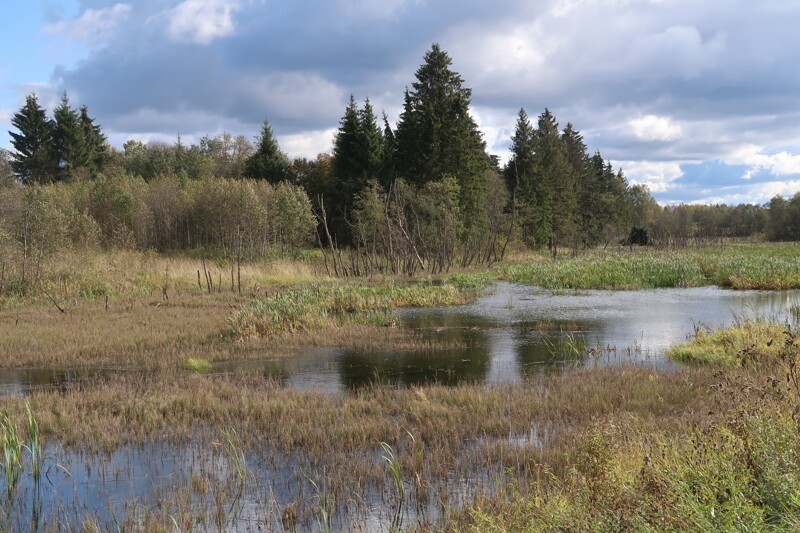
x: 199, y: 366
x: 737, y: 468
x: 770, y: 267
x: 748, y: 341
x: 328, y: 306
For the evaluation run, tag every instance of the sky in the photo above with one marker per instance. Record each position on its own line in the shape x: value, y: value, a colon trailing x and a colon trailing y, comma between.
x: 698, y: 100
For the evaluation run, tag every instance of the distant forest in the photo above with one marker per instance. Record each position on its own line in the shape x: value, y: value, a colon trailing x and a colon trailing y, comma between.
x: 424, y: 194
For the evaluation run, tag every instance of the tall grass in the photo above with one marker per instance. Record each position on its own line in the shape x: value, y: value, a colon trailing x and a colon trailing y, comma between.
x: 319, y: 307
x: 12, y: 446
x: 745, y: 267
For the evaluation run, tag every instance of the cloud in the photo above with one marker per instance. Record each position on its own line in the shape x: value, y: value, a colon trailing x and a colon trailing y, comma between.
x: 93, y: 27
x: 782, y: 163
x: 758, y: 194
x: 307, y: 144
x: 655, y: 128
x: 657, y: 176
x: 202, y: 21
x: 655, y: 85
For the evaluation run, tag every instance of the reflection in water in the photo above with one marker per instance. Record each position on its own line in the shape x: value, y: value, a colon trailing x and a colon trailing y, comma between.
x: 514, y: 332
x: 518, y: 330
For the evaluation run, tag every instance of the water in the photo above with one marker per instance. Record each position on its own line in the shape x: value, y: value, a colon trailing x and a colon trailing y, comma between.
x: 513, y: 332
x: 518, y: 330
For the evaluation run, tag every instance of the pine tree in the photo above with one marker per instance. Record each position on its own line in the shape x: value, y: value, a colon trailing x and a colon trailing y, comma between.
x: 69, y: 146
x: 268, y: 162
x: 31, y: 159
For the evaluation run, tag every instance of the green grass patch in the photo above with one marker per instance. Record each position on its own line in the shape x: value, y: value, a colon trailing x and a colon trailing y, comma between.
x: 749, y: 341
x: 767, y: 267
x: 198, y: 366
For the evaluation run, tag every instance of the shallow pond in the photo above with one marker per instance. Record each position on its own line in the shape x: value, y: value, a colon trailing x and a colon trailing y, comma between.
x: 512, y: 332
x: 517, y: 330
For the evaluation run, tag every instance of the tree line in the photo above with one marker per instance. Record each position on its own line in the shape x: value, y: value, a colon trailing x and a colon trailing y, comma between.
x: 423, y: 193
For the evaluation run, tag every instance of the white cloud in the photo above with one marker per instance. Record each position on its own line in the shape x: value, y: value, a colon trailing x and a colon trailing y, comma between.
x: 202, y: 21
x: 93, y: 27
x: 780, y: 164
x: 307, y: 144
x: 658, y: 176
x: 655, y: 128
x: 759, y: 193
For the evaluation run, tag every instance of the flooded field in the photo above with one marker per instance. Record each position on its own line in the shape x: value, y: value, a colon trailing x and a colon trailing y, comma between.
x: 514, y: 331
x: 514, y: 335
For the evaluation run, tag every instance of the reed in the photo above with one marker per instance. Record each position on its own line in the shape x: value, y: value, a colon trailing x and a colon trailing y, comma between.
x: 325, y: 306
x: 12, y: 446
x: 34, y: 445
x: 234, y: 451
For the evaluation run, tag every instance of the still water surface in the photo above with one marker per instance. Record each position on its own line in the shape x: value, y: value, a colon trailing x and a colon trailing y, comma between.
x: 512, y: 332
x: 518, y: 330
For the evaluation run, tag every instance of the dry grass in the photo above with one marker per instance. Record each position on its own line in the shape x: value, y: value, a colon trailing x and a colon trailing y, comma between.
x: 134, y: 407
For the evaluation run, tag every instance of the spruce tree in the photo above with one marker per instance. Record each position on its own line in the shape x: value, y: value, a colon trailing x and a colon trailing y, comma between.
x: 549, y: 164
x: 436, y: 136
x: 348, y: 165
x: 370, y: 141
x: 69, y: 146
x: 358, y: 154
x: 95, y: 142
x: 268, y: 162
x: 31, y: 159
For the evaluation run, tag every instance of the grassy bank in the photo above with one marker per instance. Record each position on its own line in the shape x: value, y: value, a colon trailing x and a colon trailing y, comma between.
x: 744, y: 343
x: 144, y: 311
x: 751, y: 266
x: 332, y: 306
x: 736, y: 469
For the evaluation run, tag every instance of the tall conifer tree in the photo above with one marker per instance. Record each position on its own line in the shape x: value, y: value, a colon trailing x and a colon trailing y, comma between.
x: 69, y: 144
x: 31, y: 158
x: 436, y: 136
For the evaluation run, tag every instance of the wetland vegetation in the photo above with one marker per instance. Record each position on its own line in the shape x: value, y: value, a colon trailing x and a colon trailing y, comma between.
x: 625, y: 444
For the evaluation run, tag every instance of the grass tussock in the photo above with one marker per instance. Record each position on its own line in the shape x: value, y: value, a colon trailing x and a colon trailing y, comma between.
x: 749, y: 341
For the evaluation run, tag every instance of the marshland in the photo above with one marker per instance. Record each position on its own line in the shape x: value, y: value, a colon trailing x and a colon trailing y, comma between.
x: 462, y: 401
x: 401, y: 335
